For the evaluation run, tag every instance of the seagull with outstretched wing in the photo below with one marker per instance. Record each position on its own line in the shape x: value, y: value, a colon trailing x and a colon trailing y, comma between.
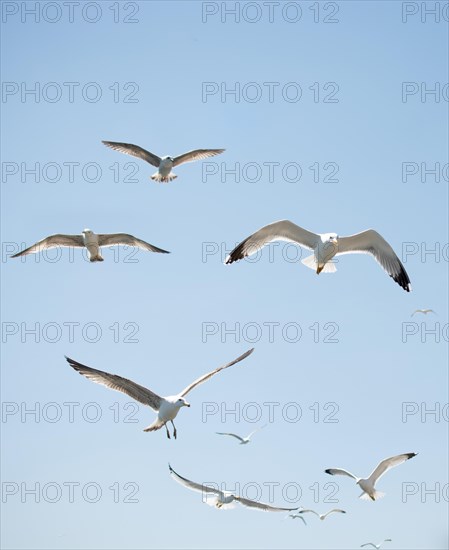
x: 224, y: 499
x: 166, y: 407
x: 424, y: 311
x: 164, y: 164
x: 376, y: 546
x: 243, y: 440
x: 367, y: 485
x: 325, y: 246
x: 91, y: 241
x: 322, y: 516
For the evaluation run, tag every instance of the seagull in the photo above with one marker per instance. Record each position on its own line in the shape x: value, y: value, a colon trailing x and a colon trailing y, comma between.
x: 243, y: 440
x: 323, y: 516
x: 91, y: 241
x: 377, y: 546
x: 425, y: 311
x: 164, y: 164
x: 166, y: 407
x: 368, y: 484
x: 296, y: 516
x: 325, y: 246
x: 224, y: 499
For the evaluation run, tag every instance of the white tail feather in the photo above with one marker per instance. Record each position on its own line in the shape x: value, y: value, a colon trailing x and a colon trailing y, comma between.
x: 376, y: 496
x: 311, y: 263
x: 163, y: 179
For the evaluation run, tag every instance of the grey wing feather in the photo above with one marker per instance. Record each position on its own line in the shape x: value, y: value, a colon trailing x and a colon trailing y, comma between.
x: 192, y: 484
x: 129, y: 240
x: 368, y: 544
x: 114, y: 382
x: 283, y: 230
x: 232, y: 435
x: 340, y: 472
x: 205, y: 377
x: 197, y: 154
x: 371, y: 242
x: 53, y: 241
x: 262, y: 506
x: 306, y: 510
x: 135, y: 151
x: 387, y: 464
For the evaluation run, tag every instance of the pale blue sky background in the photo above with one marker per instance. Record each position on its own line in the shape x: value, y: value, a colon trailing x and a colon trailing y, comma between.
x: 369, y: 373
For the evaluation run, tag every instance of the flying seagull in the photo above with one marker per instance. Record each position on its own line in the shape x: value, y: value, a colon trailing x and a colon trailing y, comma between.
x: 325, y: 246
x: 367, y: 485
x: 323, y: 516
x: 224, y: 499
x: 166, y: 407
x: 425, y: 311
x: 243, y: 440
x: 164, y: 164
x: 296, y: 516
x: 377, y: 546
x: 91, y: 241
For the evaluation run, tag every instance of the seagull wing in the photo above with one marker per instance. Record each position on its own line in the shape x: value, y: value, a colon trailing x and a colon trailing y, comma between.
x: 261, y: 505
x: 192, y: 485
x: 388, y: 463
x: 205, y: 377
x: 52, y: 242
x: 340, y: 472
x: 368, y: 544
x: 123, y: 238
x: 332, y: 511
x: 114, y: 382
x: 249, y: 436
x: 278, y: 231
x: 306, y: 510
x: 134, y: 150
x: 197, y: 154
x: 232, y: 435
x: 370, y: 242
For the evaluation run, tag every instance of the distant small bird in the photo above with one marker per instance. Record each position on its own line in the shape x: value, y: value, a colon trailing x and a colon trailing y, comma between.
x: 425, y: 311
x: 164, y: 164
x: 91, y: 241
x: 323, y: 516
x: 296, y: 516
x: 367, y: 485
x: 224, y: 499
x: 166, y: 407
x: 377, y: 546
x: 325, y: 246
x: 243, y: 440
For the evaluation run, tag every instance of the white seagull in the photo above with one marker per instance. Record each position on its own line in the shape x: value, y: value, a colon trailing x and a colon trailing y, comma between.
x: 164, y: 164
x: 377, y: 546
x: 243, y: 440
x: 323, y: 516
x: 296, y: 516
x: 424, y: 311
x: 91, y: 241
x: 224, y: 499
x: 367, y: 485
x: 325, y: 246
x: 166, y: 407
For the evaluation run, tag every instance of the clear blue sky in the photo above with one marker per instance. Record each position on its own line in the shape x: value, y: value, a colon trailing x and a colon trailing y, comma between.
x: 380, y: 364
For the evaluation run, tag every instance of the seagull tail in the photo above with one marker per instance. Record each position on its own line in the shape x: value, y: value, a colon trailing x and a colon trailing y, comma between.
x: 311, y: 263
x: 375, y: 496
x: 97, y: 258
x: 157, y: 425
x: 163, y: 179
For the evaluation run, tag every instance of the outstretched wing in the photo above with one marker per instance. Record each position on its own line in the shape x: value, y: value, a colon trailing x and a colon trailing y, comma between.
x: 135, y: 151
x: 387, y: 464
x: 306, y: 510
x: 261, y: 505
x: 53, y: 241
x: 370, y: 242
x: 205, y: 377
x: 114, y: 382
x: 232, y: 435
x: 249, y: 436
x: 192, y: 484
x: 340, y: 472
x: 197, y: 154
x: 368, y: 544
x: 278, y: 231
x: 129, y: 240
x: 333, y: 511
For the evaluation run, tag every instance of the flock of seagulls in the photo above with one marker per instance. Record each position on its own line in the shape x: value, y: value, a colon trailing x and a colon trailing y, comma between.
x: 324, y: 246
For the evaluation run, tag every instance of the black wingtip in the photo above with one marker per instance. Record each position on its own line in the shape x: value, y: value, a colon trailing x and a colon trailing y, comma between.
x: 328, y: 471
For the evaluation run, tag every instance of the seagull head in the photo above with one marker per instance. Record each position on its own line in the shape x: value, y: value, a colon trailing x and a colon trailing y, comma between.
x: 87, y: 231
x: 168, y: 157
x: 181, y: 402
